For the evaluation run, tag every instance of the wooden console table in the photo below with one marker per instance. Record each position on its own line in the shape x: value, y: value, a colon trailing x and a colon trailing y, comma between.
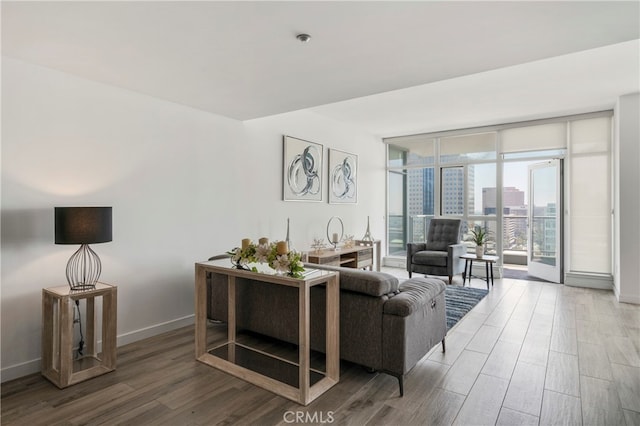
x: 354, y: 257
x: 58, y: 304
x: 228, y: 355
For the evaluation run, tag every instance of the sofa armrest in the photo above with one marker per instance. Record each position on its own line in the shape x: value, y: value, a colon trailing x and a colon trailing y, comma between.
x: 414, y: 321
x: 456, y: 266
x: 413, y: 248
x: 457, y: 250
x: 415, y: 294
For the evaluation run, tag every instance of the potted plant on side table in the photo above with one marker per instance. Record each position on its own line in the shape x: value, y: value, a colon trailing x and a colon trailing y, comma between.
x: 480, y: 237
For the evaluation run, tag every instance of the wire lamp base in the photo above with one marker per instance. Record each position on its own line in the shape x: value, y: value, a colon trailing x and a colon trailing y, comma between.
x: 83, y: 269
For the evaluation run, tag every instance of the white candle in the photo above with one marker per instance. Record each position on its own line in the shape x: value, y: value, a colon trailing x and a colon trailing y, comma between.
x: 263, y: 240
x: 245, y: 243
x: 335, y: 237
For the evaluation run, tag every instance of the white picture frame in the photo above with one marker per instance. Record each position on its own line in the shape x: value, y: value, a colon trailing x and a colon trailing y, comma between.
x: 343, y: 177
x: 302, y: 170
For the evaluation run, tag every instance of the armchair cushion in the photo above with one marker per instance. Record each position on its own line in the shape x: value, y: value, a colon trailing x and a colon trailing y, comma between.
x: 413, y: 248
x: 429, y: 257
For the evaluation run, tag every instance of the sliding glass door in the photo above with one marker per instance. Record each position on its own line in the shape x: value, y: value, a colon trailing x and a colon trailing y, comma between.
x: 544, y: 250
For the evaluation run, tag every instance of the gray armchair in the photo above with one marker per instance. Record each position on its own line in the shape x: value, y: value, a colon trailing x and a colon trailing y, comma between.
x: 440, y: 255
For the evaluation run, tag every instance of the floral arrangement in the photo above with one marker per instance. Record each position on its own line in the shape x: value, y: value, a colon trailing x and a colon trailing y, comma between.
x: 289, y: 263
x: 283, y: 261
x: 242, y: 257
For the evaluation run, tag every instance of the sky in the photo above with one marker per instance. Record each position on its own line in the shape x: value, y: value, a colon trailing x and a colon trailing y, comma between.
x: 515, y: 174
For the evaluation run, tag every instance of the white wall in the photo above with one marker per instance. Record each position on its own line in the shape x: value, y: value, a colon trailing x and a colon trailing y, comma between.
x: 309, y: 220
x: 627, y: 202
x: 184, y: 185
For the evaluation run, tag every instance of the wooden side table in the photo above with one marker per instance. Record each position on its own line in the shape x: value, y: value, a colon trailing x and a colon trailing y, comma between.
x: 377, y: 245
x: 58, y: 304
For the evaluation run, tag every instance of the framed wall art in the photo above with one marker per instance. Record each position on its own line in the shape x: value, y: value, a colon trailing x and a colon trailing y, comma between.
x: 302, y: 170
x: 343, y: 177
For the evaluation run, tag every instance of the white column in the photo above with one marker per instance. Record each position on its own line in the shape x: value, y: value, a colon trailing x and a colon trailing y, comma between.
x: 627, y: 199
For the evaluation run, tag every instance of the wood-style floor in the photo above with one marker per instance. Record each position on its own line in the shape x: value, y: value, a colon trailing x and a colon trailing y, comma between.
x: 528, y: 353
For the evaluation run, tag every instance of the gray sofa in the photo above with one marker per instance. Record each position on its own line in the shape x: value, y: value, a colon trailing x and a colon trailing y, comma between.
x: 384, y: 325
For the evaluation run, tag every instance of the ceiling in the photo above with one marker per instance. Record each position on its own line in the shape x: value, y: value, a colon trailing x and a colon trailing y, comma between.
x: 388, y: 67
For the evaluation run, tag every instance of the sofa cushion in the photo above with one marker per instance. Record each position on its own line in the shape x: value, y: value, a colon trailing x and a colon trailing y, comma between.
x: 415, y: 294
x: 371, y: 283
x: 431, y: 258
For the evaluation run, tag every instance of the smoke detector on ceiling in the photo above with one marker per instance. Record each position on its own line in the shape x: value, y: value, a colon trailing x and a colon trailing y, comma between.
x: 303, y: 37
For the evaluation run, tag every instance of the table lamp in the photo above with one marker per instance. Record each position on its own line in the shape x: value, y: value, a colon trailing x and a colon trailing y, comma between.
x: 84, y: 226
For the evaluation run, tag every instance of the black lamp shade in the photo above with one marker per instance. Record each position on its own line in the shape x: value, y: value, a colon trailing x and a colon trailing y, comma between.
x: 82, y: 225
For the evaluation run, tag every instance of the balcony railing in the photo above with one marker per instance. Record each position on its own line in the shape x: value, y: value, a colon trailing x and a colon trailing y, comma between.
x: 514, y: 235
x: 397, y: 245
x: 418, y: 228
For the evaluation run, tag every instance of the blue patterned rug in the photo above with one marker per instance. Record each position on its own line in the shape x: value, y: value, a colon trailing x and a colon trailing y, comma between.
x: 460, y: 300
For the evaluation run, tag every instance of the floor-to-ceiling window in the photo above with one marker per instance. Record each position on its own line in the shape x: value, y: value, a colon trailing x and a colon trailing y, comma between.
x: 397, y: 200
x: 470, y: 174
x: 589, y: 201
x: 468, y: 170
x: 411, y: 194
x: 446, y: 176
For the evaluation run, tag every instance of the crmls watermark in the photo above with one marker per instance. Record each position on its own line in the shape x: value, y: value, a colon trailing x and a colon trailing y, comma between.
x: 308, y: 417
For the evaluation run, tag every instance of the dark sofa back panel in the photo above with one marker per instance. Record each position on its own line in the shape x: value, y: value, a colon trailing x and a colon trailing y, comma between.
x: 217, y: 304
x: 273, y: 310
x: 260, y: 307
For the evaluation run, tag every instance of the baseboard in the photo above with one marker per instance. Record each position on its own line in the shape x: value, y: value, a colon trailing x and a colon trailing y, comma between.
x: 600, y: 282
x: 480, y: 271
x: 635, y: 299
x: 19, y: 370
x: 394, y: 262
x: 30, y: 367
x: 154, y: 330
